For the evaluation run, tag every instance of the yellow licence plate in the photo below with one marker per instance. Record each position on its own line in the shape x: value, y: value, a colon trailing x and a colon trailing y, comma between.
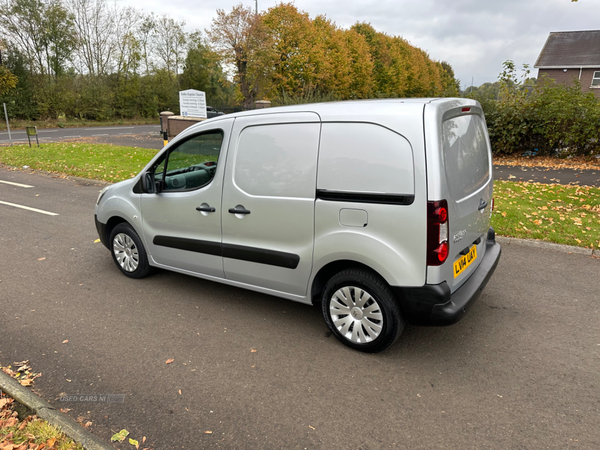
x: 465, y: 261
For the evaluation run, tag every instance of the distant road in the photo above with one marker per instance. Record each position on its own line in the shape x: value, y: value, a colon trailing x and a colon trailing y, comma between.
x: 63, y: 134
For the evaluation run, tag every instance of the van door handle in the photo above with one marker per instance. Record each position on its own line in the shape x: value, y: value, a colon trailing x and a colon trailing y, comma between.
x: 205, y: 209
x: 239, y: 210
x: 482, y: 204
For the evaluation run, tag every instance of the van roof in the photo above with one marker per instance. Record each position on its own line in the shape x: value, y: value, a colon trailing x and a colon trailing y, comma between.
x: 333, y: 110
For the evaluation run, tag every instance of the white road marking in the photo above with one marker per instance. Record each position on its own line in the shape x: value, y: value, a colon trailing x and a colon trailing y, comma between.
x: 99, y: 135
x: 46, y: 131
x: 106, y: 128
x: 78, y: 135
x: 28, y: 208
x: 41, y: 211
x: 16, y: 184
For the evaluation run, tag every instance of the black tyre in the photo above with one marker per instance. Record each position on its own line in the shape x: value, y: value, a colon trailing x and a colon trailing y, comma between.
x: 128, y: 252
x: 361, y: 311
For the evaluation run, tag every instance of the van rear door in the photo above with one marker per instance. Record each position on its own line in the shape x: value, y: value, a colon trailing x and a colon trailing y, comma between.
x: 465, y: 178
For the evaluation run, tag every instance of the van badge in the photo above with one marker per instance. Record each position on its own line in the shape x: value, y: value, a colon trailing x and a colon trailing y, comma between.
x: 458, y: 236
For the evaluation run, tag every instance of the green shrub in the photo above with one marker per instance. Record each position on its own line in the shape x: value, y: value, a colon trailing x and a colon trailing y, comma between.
x: 545, y: 115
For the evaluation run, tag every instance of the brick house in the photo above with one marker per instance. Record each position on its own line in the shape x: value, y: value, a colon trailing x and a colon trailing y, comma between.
x: 569, y: 55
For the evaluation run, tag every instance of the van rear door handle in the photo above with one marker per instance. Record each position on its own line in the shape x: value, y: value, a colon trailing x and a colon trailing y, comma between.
x: 205, y: 209
x: 482, y: 204
x: 239, y: 210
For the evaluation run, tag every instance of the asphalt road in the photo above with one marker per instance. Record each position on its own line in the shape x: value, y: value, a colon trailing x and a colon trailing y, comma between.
x: 256, y: 372
x: 548, y: 175
x: 62, y: 134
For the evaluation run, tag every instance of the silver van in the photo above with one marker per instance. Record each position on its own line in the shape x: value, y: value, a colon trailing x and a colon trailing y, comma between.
x: 379, y: 210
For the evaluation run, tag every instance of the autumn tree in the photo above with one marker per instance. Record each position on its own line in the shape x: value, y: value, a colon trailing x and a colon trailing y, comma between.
x: 7, y: 80
x: 240, y: 38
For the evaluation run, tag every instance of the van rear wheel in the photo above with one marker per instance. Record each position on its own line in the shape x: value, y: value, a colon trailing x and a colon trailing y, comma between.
x: 361, y: 311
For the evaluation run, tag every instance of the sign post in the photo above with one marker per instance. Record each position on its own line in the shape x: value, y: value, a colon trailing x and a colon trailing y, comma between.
x: 7, y: 125
x: 192, y: 103
x: 32, y: 131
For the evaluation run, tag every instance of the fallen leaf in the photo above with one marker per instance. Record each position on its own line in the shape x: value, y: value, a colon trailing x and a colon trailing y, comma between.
x: 144, y: 440
x: 120, y: 436
x: 208, y: 432
x: 87, y: 424
x: 252, y: 351
x: 41, y: 259
x: 96, y: 241
x: 134, y: 443
x: 65, y: 341
x: 179, y: 391
x: 50, y: 442
x: 169, y: 361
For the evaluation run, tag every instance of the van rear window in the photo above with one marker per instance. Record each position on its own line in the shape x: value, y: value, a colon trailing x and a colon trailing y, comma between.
x: 466, y: 155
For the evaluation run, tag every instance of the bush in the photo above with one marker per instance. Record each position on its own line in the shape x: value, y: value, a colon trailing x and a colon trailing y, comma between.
x: 547, y: 116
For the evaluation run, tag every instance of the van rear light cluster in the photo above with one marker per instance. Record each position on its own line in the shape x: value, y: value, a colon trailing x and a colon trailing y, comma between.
x: 437, y: 232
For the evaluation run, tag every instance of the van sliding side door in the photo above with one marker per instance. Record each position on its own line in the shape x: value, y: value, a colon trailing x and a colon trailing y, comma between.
x: 268, y: 201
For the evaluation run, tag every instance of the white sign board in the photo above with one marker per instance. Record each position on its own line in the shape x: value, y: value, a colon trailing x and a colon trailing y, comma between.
x: 192, y: 103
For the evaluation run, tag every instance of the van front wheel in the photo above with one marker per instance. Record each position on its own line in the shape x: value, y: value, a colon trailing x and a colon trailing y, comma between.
x: 361, y: 311
x: 128, y: 251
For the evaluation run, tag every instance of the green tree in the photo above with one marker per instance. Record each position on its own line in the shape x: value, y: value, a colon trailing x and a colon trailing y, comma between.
x: 202, y: 70
x: 43, y: 31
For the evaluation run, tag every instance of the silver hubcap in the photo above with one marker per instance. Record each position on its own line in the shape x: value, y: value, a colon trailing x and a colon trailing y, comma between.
x: 356, y: 315
x: 126, y: 252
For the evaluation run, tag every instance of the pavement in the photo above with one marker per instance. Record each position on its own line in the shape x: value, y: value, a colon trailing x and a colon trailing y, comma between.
x: 253, y: 371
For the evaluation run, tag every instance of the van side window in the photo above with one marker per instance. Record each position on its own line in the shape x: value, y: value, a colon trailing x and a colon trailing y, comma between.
x: 278, y: 160
x: 366, y: 158
x: 191, y: 164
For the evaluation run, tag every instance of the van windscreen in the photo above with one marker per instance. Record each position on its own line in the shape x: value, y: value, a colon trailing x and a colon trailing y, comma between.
x: 466, y: 155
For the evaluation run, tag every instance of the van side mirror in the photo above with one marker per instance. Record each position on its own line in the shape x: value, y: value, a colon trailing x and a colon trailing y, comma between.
x: 149, y: 185
x: 146, y: 182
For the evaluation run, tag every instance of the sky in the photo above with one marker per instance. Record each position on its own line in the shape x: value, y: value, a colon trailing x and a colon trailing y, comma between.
x: 474, y: 36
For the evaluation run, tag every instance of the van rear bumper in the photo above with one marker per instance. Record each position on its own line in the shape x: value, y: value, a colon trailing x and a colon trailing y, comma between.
x: 435, y: 305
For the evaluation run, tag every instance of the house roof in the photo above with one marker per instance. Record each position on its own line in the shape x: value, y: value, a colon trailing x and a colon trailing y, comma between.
x: 570, y: 49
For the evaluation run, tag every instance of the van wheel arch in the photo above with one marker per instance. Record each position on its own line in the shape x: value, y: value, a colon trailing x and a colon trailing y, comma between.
x: 111, y: 224
x: 331, y: 269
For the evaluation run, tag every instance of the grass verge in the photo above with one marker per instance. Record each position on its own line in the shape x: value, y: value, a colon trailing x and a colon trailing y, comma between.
x: 550, y: 212
x: 29, y: 432
x: 554, y: 213
x: 96, y: 161
x: 19, y: 428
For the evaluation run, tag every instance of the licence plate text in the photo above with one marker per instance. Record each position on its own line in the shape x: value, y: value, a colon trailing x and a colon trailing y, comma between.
x: 465, y: 261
